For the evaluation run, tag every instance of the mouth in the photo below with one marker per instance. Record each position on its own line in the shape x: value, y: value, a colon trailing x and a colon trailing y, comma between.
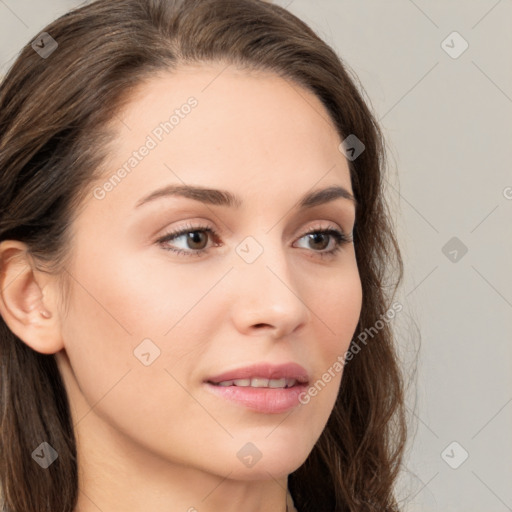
x: 262, y: 388
x: 258, y: 382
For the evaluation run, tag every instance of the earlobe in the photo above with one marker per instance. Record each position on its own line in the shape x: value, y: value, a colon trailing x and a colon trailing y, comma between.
x: 25, y: 304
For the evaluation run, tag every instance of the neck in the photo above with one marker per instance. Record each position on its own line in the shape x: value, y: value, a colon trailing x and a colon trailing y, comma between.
x: 115, y: 476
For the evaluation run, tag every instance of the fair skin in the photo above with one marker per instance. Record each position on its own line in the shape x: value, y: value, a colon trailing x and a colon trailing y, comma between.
x: 154, y: 437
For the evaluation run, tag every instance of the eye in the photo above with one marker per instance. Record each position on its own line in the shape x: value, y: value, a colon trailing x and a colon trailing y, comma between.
x: 193, y: 240
x: 326, y: 242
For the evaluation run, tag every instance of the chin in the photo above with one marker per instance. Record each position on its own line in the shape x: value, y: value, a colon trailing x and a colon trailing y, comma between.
x: 278, y: 464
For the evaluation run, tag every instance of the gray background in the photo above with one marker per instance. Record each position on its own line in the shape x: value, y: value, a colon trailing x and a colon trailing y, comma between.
x: 448, y: 124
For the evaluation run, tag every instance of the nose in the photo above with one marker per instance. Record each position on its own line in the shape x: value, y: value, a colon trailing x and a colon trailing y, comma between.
x: 267, y: 300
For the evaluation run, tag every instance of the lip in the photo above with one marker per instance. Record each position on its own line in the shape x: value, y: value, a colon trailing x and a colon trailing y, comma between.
x: 266, y: 371
x: 262, y: 400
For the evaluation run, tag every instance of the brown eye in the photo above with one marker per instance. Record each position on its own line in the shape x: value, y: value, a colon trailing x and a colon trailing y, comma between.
x: 188, y: 241
x: 197, y: 240
x: 319, y: 241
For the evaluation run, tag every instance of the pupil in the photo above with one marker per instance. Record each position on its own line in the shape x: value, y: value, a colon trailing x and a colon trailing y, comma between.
x: 318, y: 237
x: 195, y: 238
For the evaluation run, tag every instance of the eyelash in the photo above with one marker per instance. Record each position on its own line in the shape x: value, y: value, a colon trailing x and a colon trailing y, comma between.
x: 340, y: 238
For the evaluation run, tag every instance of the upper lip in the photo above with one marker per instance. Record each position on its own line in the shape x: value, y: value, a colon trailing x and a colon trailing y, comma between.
x: 265, y: 371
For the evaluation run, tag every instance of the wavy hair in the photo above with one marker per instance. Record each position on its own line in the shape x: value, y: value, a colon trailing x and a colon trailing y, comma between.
x: 54, y: 134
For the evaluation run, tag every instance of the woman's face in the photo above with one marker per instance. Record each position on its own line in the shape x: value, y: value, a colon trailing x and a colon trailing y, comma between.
x: 157, y: 328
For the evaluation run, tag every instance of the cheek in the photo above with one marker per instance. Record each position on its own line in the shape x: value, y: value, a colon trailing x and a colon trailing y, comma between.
x: 121, y: 317
x: 121, y: 310
x: 143, y: 300
x: 337, y: 306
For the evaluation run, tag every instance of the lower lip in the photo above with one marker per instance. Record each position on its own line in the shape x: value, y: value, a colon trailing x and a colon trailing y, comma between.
x: 264, y: 400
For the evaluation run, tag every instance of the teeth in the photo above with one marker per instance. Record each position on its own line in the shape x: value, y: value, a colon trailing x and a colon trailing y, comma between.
x: 290, y: 383
x: 259, y: 382
x: 277, y: 383
x: 242, y: 382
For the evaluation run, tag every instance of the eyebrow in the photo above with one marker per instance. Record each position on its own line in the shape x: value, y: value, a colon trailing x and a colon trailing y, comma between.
x: 217, y: 197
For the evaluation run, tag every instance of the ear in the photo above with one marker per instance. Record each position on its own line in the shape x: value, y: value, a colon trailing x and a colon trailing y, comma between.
x: 27, y: 299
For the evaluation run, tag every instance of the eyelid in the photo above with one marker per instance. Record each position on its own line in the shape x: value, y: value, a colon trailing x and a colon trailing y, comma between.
x: 332, y: 230
x: 183, y: 230
x: 331, y: 226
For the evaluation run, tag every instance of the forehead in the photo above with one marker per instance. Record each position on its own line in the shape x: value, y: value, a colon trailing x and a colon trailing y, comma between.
x: 217, y: 124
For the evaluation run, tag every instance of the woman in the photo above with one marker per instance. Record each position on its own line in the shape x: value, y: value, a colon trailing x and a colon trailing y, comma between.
x: 194, y: 244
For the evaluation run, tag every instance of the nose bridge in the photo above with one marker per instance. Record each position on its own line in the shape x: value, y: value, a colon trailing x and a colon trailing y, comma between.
x: 268, y: 291
x: 266, y: 261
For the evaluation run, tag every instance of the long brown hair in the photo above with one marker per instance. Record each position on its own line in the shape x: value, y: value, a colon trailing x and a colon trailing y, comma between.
x: 54, y: 114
